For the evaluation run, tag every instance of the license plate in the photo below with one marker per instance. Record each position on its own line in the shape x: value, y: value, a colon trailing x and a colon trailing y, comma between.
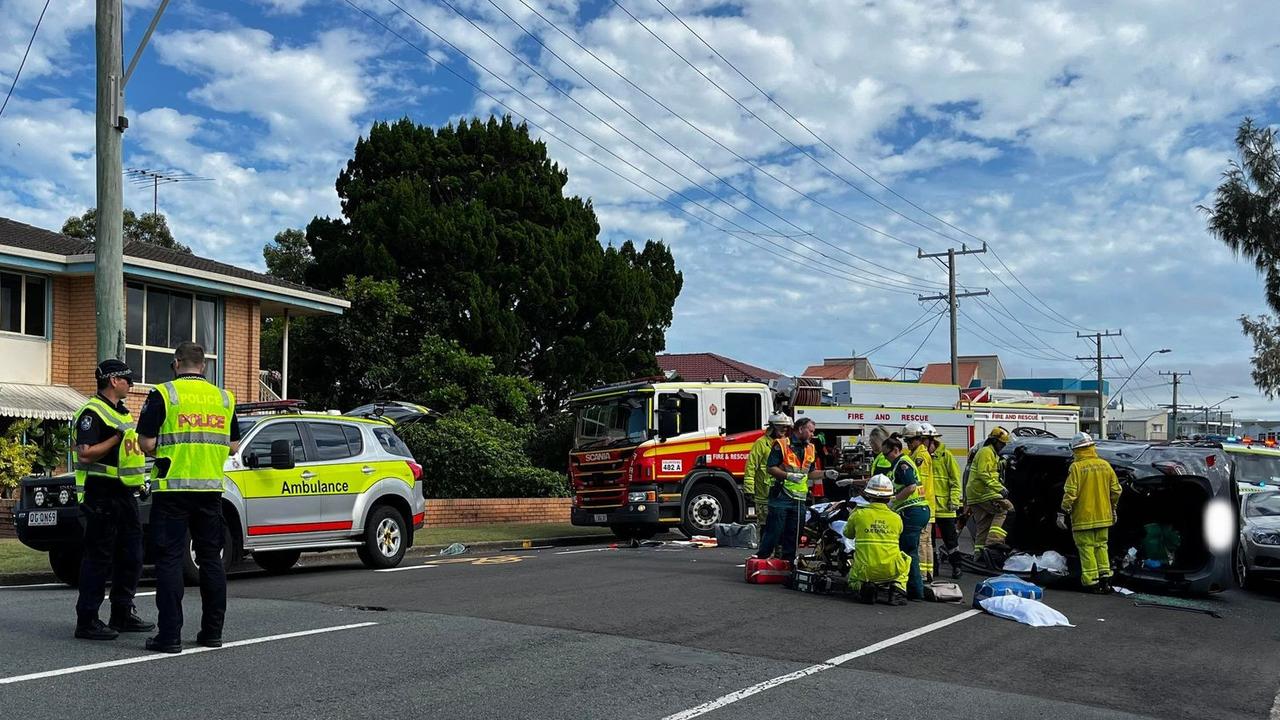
x: 42, y: 517
x: 600, y: 517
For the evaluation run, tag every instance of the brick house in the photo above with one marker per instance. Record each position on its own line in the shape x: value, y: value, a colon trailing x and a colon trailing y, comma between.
x: 48, y: 337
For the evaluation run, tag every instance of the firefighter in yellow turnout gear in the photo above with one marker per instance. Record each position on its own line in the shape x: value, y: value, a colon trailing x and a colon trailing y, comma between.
x: 917, y: 436
x: 946, y: 498
x: 986, y: 496
x: 877, y: 558
x: 756, y: 481
x: 1089, y: 500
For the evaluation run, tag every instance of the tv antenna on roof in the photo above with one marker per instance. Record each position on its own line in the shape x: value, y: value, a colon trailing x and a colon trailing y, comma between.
x: 140, y: 177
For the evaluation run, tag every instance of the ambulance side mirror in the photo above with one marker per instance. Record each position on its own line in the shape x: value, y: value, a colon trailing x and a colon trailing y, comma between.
x: 281, y: 455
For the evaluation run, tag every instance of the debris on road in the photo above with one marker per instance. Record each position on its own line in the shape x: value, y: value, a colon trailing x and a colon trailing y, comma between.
x: 454, y: 549
x: 1170, y: 603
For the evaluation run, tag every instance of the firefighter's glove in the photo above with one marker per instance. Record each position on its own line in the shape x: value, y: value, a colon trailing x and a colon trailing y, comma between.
x: 1062, y: 521
x: 797, y: 477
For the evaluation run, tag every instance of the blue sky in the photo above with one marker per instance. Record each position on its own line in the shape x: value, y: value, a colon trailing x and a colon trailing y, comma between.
x: 1076, y: 138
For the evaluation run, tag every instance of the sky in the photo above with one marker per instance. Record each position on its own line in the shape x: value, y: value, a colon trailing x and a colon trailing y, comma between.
x: 795, y: 156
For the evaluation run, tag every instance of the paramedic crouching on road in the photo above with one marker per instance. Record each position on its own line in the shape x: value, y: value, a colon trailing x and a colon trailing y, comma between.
x: 189, y: 425
x: 791, y: 467
x: 877, y: 558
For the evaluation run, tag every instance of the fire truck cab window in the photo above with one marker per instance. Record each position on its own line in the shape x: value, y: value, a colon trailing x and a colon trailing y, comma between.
x: 741, y: 412
x: 687, y: 410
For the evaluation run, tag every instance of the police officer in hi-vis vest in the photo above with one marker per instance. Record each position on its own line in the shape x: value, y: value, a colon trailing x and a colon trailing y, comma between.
x: 109, y: 469
x: 189, y: 425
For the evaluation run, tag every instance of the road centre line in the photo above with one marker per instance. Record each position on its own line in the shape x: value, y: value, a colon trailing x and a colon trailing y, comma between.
x: 162, y: 656
x: 406, y: 567
x: 834, y: 662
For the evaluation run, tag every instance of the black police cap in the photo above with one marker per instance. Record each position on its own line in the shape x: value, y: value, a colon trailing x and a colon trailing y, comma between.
x: 111, y: 368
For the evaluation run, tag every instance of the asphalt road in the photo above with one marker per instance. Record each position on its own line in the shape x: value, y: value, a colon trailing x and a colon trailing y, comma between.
x: 634, y: 633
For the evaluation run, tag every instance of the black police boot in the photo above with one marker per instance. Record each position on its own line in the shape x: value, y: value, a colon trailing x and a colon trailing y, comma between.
x: 130, y: 623
x: 209, y: 641
x: 94, y: 630
x: 172, y: 647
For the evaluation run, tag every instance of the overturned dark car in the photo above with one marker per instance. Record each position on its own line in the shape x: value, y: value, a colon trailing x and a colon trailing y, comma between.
x: 1158, y: 542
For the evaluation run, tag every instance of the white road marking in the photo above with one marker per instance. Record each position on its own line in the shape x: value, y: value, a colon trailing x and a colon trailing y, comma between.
x: 184, y: 653
x: 406, y: 567
x: 144, y: 594
x: 1275, y: 708
x: 575, y: 552
x: 834, y: 662
x: 37, y: 585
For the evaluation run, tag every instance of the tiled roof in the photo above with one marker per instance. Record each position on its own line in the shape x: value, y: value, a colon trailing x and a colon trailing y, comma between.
x: 710, y: 366
x: 29, y: 237
x: 940, y: 373
x: 830, y: 372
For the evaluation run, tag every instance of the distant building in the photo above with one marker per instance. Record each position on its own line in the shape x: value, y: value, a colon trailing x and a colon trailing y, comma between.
x: 1069, y: 391
x: 1259, y: 429
x: 847, y: 368
x: 1138, y: 423
x: 699, y: 367
x: 973, y: 371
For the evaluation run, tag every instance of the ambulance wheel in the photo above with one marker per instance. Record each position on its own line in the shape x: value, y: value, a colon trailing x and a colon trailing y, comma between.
x: 191, y: 571
x: 276, y: 562
x: 66, y: 565
x: 384, y: 539
x: 634, y: 532
x: 704, y: 508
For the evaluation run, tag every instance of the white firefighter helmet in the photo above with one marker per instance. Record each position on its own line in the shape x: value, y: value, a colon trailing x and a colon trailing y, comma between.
x: 930, y: 431
x: 913, y: 430
x: 879, y: 486
x: 780, y: 419
x: 1081, y: 439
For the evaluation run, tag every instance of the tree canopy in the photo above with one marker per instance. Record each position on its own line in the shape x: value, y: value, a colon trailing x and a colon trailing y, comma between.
x: 473, y: 223
x: 150, y: 228
x: 1246, y: 217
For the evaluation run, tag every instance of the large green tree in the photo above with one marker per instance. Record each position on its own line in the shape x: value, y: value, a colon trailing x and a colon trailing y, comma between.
x: 288, y: 256
x: 150, y: 228
x: 1246, y: 217
x: 473, y: 222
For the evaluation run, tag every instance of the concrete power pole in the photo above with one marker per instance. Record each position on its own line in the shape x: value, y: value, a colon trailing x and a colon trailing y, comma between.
x: 1173, y: 417
x: 108, y: 251
x: 108, y: 266
x: 951, y: 298
x: 1102, y: 402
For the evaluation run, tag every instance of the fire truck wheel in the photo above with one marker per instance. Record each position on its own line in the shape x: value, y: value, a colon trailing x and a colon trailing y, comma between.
x: 705, y: 506
x: 634, y: 532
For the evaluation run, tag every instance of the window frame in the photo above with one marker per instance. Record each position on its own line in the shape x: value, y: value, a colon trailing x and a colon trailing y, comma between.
x: 311, y: 424
x: 757, y: 406
x: 144, y: 348
x: 259, y: 428
x: 21, y: 332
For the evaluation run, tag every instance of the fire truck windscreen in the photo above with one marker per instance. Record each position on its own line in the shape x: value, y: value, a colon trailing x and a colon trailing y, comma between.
x: 612, y: 421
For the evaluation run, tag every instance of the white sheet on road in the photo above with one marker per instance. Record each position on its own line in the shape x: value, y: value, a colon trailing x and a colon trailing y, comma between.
x: 1025, y: 610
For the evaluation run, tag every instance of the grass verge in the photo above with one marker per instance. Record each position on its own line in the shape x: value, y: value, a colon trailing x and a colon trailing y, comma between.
x: 18, y: 558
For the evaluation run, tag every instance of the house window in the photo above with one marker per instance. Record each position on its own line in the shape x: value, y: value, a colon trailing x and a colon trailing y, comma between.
x: 157, y: 319
x: 22, y: 304
x: 1157, y: 427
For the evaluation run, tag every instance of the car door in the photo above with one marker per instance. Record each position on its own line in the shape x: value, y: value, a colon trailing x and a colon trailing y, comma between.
x: 278, y: 503
x: 338, y: 447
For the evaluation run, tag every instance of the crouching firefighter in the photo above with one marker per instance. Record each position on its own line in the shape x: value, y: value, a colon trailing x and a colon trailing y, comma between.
x: 987, y: 498
x: 1089, y: 502
x: 877, y: 558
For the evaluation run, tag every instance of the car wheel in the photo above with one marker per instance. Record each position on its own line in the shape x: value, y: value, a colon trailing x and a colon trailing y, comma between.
x: 705, y: 507
x: 385, y: 539
x: 276, y: 562
x: 634, y: 532
x: 191, y: 570
x: 1242, y: 569
x: 66, y: 565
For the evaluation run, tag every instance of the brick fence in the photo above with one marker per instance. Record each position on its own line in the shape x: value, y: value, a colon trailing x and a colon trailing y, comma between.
x: 6, y: 518
x: 475, y: 511
x: 440, y: 513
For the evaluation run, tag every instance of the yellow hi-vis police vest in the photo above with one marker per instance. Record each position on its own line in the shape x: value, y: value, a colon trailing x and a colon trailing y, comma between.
x: 912, y: 500
x: 129, y: 467
x: 195, y: 436
x: 791, y: 463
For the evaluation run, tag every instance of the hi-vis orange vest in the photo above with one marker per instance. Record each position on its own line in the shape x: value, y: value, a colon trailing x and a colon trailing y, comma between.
x: 791, y: 463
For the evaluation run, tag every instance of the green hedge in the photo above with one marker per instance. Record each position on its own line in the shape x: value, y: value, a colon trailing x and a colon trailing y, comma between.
x: 472, y: 454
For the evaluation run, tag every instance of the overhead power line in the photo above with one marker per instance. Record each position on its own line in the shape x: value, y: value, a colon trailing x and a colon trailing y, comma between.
x: 25, y: 53
x: 741, y: 235
x: 918, y: 322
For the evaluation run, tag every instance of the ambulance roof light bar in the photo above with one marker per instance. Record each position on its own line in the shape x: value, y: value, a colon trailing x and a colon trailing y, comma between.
x: 271, y: 406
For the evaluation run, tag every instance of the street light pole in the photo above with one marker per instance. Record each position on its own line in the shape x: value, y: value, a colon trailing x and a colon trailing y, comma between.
x: 1206, y: 413
x: 1161, y: 351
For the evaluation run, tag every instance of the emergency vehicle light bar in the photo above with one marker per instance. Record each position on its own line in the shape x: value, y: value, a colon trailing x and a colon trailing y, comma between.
x: 270, y: 406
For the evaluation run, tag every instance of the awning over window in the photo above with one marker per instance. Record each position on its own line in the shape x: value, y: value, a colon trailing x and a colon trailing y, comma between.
x: 44, y: 402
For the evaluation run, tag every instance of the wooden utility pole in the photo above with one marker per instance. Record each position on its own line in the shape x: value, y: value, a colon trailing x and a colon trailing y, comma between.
x: 951, y: 298
x: 1173, y: 418
x: 1102, y: 402
x: 108, y: 246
